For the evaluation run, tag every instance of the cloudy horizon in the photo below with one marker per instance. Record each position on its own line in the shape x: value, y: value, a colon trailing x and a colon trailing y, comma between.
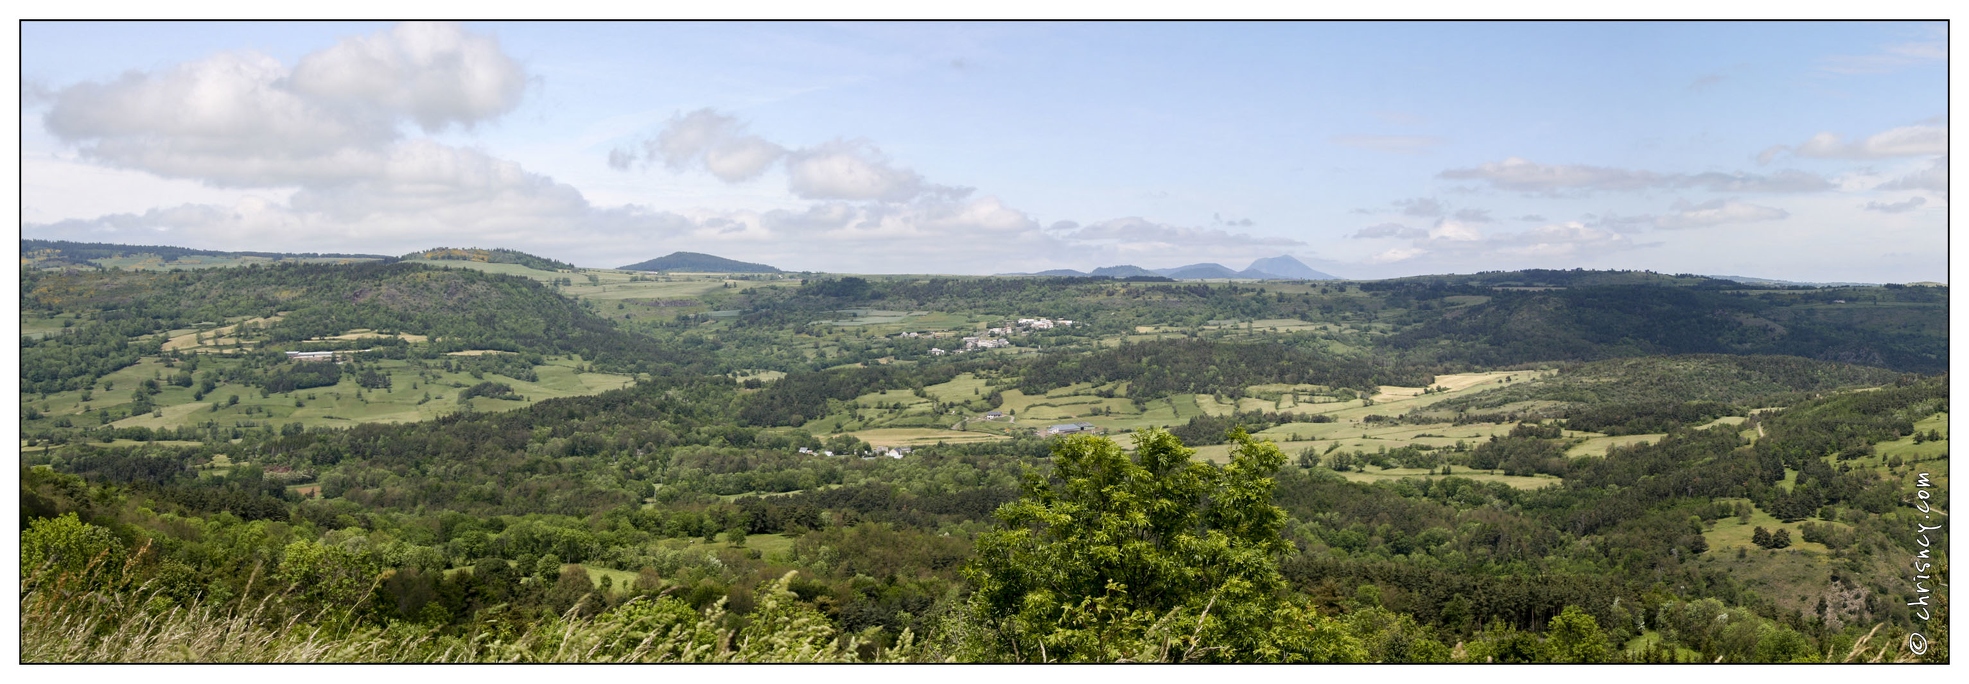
x: 1798, y: 151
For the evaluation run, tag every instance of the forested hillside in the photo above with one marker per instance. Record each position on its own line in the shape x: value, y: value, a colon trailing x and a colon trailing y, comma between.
x: 508, y: 463
x: 491, y: 256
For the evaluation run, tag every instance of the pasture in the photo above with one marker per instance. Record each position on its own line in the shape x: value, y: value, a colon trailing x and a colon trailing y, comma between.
x: 413, y: 396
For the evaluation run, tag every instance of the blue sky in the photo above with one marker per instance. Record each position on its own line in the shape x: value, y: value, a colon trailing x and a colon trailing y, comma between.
x: 1805, y: 151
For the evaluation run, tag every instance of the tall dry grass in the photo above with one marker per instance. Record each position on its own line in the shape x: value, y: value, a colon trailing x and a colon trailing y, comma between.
x: 141, y: 625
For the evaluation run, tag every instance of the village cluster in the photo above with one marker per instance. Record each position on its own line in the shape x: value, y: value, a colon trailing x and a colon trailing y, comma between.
x: 891, y: 452
x: 993, y: 337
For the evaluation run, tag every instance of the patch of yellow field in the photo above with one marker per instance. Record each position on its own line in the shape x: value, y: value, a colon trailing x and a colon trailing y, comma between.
x: 892, y: 437
x: 173, y: 416
x: 362, y: 333
x: 1515, y: 481
x: 1454, y: 382
x: 1599, y: 446
x: 216, y: 337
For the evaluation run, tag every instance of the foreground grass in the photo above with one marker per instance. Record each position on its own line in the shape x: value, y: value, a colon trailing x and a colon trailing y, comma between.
x: 138, y: 626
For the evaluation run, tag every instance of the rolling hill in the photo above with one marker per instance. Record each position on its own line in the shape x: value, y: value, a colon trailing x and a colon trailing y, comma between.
x: 490, y: 256
x: 699, y: 263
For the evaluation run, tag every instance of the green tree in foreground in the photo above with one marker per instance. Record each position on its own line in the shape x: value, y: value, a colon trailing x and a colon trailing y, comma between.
x: 1155, y: 558
x: 65, y: 545
x: 1575, y: 637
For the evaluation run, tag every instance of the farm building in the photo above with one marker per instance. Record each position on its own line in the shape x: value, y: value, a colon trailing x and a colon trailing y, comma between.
x: 1071, y: 428
x: 311, y: 356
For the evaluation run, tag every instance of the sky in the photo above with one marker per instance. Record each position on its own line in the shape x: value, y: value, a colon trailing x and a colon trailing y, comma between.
x: 1810, y: 151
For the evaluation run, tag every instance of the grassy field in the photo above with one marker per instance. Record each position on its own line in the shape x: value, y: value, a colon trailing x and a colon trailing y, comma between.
x: 341, y: 405
x: 921, y: 436
x: 153, y: 262
x: 38, y: 326
x: 215, y: 337
x: 1515, y: 481
x: 1730, y: 534
x: 965, y: 387
x: 1598, y: 446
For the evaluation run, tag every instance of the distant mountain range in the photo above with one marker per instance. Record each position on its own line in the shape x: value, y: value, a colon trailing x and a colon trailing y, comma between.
x: 55, y: 253
x: 699, y: 263
x: 1281, y: 267
x: 1785, y: 283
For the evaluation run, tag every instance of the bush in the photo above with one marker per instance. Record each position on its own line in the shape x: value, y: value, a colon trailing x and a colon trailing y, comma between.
x: 55, y: 547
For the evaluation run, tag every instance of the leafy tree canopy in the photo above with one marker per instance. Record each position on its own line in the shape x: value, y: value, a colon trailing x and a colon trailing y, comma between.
x: 1157, y: 557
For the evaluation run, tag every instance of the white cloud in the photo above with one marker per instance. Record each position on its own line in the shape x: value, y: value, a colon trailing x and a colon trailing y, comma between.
x: 225, y: 120
x: 1933, y: 179
x: 1560, y: 240
x: 850, y: 170
x: 1516, y: 173
x: 433, y: 73
x: 1451, y: 243
x: 1907, y: 205
x: 853, y: 170
x: 1905, y: 141
x: 1523, y: 175
x: 245, y: 120
x: 1716, y: 213
x: 718, y: 142
x: 1420, y: 206
x: 1454, y: 231
x: 741, y: 159
x: 1395, y: 254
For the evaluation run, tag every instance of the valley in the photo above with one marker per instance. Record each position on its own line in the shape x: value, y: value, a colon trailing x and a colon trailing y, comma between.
x: 1460, y: 459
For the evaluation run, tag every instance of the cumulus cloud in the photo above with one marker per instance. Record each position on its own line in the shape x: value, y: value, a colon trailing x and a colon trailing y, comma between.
x: 854, y: 170
x: 1622, y: 224
x: 1518, y: 174
x: 1217, y: 219
x: 1451, y: 241
x: 433, y: 73
x: 1562, y: 240
x: 1933, y: 179
x: 705, y: 138
x: 840, y: 169
x: 1905, y: 141
x: 1771, y: 153
x: 1421, y: 206
x: 1393, y: 144
x: 1716, y: 213
x: 333, y: 137
x: 1474, y: 215
x: 1454, y: 231
x: 226, y: 120
x: 1395, y: 254
x: 246, y: 120
x: 1910, y: 204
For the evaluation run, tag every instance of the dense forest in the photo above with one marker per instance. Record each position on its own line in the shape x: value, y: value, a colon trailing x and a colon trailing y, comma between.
x: 1616, y: 467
